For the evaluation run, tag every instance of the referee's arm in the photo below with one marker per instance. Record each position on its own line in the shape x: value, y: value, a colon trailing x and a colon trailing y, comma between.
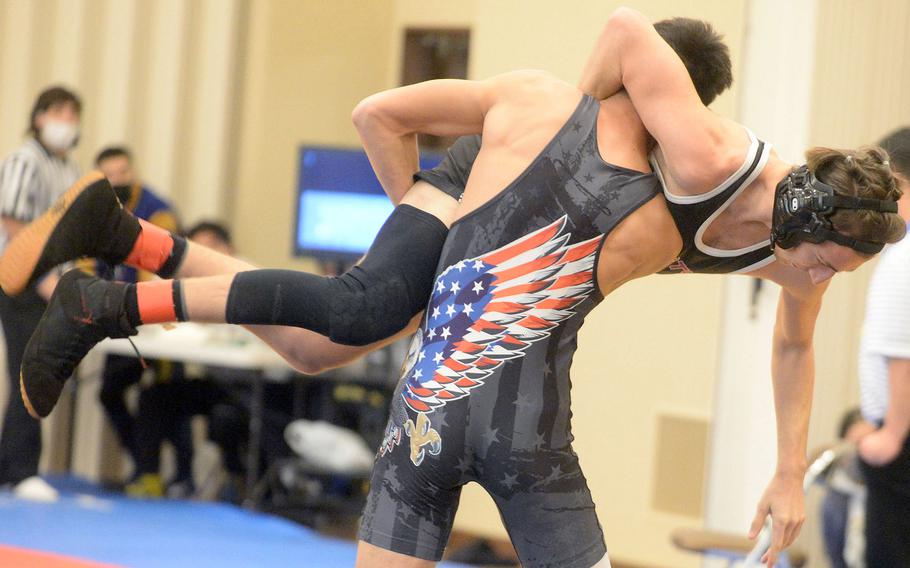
x: 18, y: 186
x: 17, y: 179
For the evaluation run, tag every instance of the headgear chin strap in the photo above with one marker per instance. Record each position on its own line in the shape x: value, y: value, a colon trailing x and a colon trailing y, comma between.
x: 803, y: 207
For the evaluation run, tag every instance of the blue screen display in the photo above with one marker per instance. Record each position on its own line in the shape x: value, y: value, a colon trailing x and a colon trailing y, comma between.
x: 340, y: 203
x: 345, y: 222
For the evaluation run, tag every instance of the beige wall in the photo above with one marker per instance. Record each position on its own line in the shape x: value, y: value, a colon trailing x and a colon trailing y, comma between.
x: 306, y: 66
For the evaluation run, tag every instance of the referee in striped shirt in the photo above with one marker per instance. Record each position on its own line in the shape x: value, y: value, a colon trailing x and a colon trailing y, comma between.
x: 31, y: 179
x: 884, y: 369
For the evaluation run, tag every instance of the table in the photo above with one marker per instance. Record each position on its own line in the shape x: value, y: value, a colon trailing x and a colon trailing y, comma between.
x: 223, y: 346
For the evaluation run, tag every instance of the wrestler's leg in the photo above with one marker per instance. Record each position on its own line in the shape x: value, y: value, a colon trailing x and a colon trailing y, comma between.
x: 201, y: 261
x: 372, y: 301
x: 306, y: 351
x: 102, y: 309
x: 85, y: 309
x: 370, y: 556
x: 206, y: 300
x: 89, y: 221
x: 546, y: 507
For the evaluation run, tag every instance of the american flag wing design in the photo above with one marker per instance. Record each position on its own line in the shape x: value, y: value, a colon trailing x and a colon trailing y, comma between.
x: 489, y: 309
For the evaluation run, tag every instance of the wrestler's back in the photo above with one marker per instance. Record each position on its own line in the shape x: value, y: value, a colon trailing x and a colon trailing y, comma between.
x: 515, y: 133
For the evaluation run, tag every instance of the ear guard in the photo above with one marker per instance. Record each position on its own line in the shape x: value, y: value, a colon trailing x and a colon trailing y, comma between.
x: 803, y: 207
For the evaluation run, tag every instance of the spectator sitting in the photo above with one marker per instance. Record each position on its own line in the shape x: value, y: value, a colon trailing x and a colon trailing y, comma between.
x: 120, y: 373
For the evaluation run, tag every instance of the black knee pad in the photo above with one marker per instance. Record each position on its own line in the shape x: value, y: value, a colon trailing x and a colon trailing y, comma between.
x: 372, y: 301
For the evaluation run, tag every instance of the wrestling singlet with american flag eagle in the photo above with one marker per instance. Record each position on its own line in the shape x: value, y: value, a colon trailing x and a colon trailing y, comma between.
x: 484, y: 392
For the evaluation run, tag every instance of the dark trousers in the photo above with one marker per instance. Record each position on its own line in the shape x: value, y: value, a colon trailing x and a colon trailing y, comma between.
x: 165, y: 411
x: 138, y: 435
x: 120, y: 373
x: 20, y: 441
x: 166, y: 408
x: 888, y: 512
x: 835, y: 509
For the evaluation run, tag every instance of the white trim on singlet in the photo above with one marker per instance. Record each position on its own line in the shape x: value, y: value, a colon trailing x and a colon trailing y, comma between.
x: 690, y: 199
x: 700, y: 244
x: 751, y: 156
x: 756, y: 265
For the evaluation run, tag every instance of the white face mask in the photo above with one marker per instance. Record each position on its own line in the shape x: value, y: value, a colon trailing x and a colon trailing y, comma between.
x: 59, y: 136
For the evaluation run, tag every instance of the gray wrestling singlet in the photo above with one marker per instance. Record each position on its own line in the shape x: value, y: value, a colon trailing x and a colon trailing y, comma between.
x: 485, y: 391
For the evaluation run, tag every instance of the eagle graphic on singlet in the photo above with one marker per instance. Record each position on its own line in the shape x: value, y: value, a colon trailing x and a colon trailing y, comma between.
x: 485, y: 311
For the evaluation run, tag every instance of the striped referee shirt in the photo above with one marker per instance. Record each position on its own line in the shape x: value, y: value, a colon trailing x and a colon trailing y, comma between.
x: 31, y: 179
x: 886, y: 332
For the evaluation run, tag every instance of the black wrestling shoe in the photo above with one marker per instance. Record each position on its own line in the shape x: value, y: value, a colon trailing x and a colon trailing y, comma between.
x: 82, y: 311
x: 87, y: 220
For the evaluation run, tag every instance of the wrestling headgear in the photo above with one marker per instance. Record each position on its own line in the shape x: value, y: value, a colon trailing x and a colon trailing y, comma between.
x: 803, y: 207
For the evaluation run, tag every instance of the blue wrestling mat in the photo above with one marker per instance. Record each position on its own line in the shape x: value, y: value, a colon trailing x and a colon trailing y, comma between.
x: 90, y: 525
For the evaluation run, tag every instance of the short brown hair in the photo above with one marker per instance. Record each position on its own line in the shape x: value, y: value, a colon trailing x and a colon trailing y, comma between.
x: 864, y: 172
x: 52, y: 96
x: 704, y: 53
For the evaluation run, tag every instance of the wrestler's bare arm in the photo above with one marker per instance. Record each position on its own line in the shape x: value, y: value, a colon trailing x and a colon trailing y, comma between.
x: 396, y: 174
x: 517, y: 112
x: 701, y: 148
x: 792, y: 372
x: 305, y: 350
x: 388, y: 122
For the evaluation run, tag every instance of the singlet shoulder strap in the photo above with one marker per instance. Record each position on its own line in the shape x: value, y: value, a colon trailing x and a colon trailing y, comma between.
x: 737, y: 186
x: 693, y: 215
x: 752, y: 155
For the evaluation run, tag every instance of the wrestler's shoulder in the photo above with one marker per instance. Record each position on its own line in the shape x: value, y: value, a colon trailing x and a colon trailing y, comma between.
x: 534, y: 84
x: 532, y: 79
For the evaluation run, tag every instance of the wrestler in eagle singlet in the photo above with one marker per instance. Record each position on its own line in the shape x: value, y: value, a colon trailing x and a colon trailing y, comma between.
x: 484, y: 394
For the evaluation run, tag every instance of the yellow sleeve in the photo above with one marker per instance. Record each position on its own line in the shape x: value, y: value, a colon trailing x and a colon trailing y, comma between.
x: 145, y: 275
x: 89, y: 265
x: 165, y: 219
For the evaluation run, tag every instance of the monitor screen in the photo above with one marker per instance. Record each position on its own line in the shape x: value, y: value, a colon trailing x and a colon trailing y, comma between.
x: 340, y: 203
x: 345, y: 222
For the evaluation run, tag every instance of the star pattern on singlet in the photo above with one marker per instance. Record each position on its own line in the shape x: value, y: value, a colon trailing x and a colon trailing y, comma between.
x: 490, y: 309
